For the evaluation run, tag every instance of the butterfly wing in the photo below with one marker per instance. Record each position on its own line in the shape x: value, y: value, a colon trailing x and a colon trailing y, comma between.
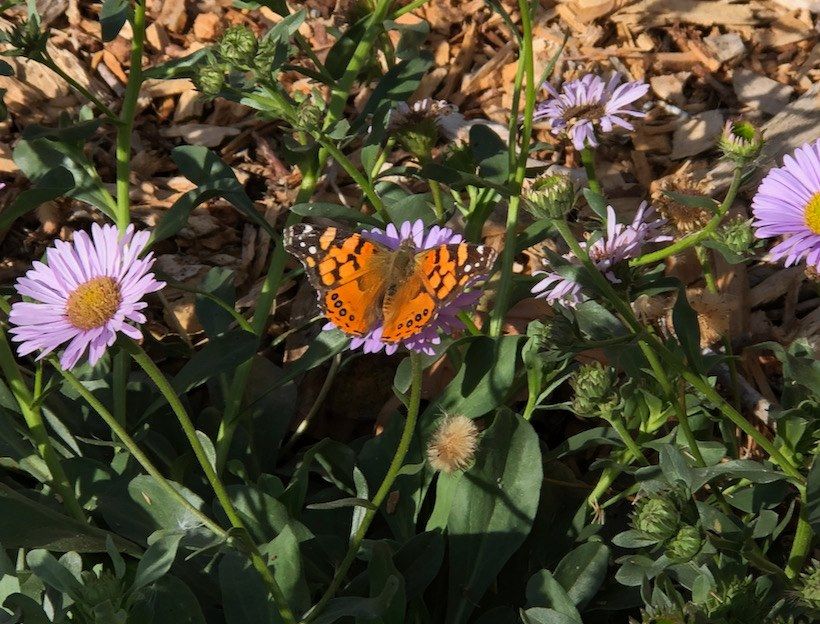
x: 441, y: 274
x: 346, y: 270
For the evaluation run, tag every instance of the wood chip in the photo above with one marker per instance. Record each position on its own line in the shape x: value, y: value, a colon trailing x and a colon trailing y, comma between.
x: 697, y: 134
x: 649, y: 13
x: 725, y: 47
x: 200, y: 134
x: 206, y: 26
x: 761, y: 92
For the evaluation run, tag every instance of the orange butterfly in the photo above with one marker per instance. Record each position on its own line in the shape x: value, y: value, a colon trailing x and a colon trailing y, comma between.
x: 362, y: 283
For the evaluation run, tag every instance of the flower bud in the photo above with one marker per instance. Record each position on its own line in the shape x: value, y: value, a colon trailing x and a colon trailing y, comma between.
x: 657, y: 517
x: 741, y: 141
x: 594, y: 389
x: 210, y: 79
x: 27, y: 39
x: 551, y: 197
x: 418, y: 128
x: 99, y: 589
x: 808, y: 587
x: 453, y: 444
x: 238, y: 46
x: 738, y: 235
x: 734, y: 600
x: 685, y: 545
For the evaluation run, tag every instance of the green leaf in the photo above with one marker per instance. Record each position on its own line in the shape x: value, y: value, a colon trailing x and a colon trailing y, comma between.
x: 367, y: 608
x: 51, y: 185
x: 582, y: 571
x: 6, y: 69
x: 693, y: 201
x: 596, y: 201
x: 419, y: 561
x: 37, y: 157
x: 221, y: 355
x: 27, y: 524
x: 341, y: 503
x: 244, y: 595
x: 183, y: 67
x: 326, y: 345
x: 413, y: 36
x: 52, y: 572
x: 113, y: 15
x: 167, y: 601
x: 27, y: 608
x: 381, y: 571
x: 543, y: 590
x: 540, y: 615
x: 484, y: 379
x: 685, y: 322
x: 215, y: 319
x: 493, y: 510
x: 813, y: 497
x: 157, y: 560
x: 738, y: 468
x: 284, y: 552
x: 334, y: 212
x: 674, y: 466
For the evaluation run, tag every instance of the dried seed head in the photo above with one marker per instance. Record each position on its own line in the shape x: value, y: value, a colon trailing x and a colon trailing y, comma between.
x: 453, y: 445
x: 684, y: 218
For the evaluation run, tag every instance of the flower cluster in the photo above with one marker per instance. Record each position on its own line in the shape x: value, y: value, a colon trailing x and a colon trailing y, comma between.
x: 621, y: 242
x: 589, y: 104
x: 90, y: 290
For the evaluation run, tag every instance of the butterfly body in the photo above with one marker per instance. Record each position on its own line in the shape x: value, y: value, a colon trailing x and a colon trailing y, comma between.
x: 363, y: 284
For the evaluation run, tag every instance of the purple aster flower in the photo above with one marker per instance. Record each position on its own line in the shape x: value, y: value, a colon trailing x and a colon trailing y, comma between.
x: 788, y: 204
x: 447, y: 319
x: 87, y: 293
x: 589, y: 102
x: 620, y: 243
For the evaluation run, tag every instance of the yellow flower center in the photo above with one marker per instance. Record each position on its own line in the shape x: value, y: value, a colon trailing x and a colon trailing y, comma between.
x: 94, y: 303
x: 812, y: 213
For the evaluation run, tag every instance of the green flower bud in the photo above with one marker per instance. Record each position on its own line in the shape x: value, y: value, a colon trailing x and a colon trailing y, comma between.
x: 738, y: 235
x: 808, y: 587
x: 685, y: 545
x: 740, y: 141
x: 551, y: 197
x: 99, y: 589
x: 27, y: 39
x: 657, y: 517
x: 238, y: 46
x: 210, y: 79
x: 594, y: 386
x: 668, y: 615
x: 420, y: 126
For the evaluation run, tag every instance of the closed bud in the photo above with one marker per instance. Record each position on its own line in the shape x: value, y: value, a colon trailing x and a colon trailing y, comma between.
x: 657, y: 518
x: 452, y: 446
x: 808, y: 588
x: 734, y: 600
x: 685, y: 545
x: 741, y: 141
x: 238, y: 46
x: 738, y: 235
x: 210, y: 79
x: 594, y: 386
x: 26, y: 39
x: 551, y: 197
x: 420, y: 126
x: 98, y: 589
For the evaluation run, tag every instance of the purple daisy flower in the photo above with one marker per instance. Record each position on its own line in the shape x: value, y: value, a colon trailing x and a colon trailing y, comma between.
x: 620, y: 243
x: 87, y: 293
x: 447, y: 319
x: 589, y: 102
x: 787, y: 204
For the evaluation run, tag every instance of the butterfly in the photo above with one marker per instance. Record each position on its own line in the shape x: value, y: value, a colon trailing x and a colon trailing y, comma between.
x: 362, y: 283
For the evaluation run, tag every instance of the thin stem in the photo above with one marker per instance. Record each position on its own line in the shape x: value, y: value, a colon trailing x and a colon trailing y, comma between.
x: 127, y: 114
x: 620, y: 428
x: 697, y: 237
x: 508, y: 257
x: 417, y: 367
x: 355, y: 174
x: 801, y: 546
x: 588, y: 160
x: 411, y: 6
x: 128, y: 442
x: 317, y: 403
x: 706, y: 265
x: 438, y: 203
x: 34, y: 421
x: 120, y: 374
x: 85, y: 92
x: 162, y: 384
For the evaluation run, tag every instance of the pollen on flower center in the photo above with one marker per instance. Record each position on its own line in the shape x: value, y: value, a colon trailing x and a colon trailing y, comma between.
x: 812, y: 213
x: 93, y: 304
x: 584, y: 111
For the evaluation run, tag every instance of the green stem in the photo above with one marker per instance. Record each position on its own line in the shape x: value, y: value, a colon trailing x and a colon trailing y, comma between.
x: 588, y: 160
x: 127, y: 114
x: 410, y: 6
x: 129, y: 443
x: 697, y: 237
x: 508, y: 258
x: 49, y: 62
x: 801, y: 546
x: 34, y: 420
x: 162, y: 384
x: 620, y: 428
x: 417, y: 367
x: 120, y: 374
x: 355, y: 174
x: 706, y: 266
x: 438, y: 202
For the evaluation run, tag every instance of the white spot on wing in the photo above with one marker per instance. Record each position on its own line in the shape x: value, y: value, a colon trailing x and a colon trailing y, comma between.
x: 311, y: 249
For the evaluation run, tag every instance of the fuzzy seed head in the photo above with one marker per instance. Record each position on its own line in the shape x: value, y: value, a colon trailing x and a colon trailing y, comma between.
x: 453, y: 445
